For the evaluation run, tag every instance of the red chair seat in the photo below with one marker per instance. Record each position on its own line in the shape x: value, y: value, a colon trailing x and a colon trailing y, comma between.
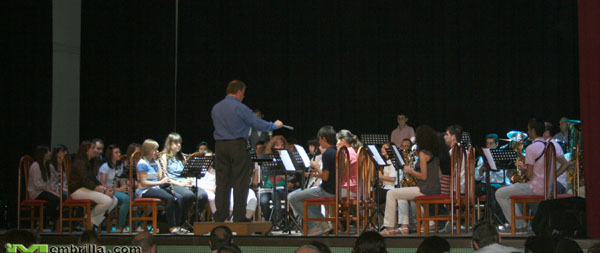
x: 560, y: 196
x: 320, y: 199
x: 77, y: 201
x: 147, y: 200
x: 351, y: 199
x: 428, y: 197
x: 30, y: 202
x: 526, y: 197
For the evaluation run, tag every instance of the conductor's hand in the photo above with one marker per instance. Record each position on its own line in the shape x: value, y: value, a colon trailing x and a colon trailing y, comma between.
x: 278, y: 123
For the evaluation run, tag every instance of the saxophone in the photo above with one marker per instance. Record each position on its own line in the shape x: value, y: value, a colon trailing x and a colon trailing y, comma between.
x: 519, y: 176
x: 408, y: 180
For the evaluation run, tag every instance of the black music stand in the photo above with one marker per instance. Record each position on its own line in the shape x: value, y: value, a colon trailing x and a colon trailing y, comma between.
x: 465, y: 138
x: 397, y: 160
x: 377, y: 159
x: 374, y: 139
x: 197, y: 167
x: 500, y: 159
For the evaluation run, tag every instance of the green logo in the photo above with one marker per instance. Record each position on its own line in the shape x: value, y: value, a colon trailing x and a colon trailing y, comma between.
x: 16, y: 248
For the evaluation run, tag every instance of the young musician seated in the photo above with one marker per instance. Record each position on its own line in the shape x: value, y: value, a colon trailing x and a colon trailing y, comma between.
x: 58, y: 165
x: 108, y: 175
x: 174, y: 160
x: 277, y: 142
x: 151, y: 177
x: 426, y: 173
x: 40, y: 185
x: 84, y: 184
x: 327, y: 140
x: 387, y: 176
x: 350, y: 141
x: 534, y: 168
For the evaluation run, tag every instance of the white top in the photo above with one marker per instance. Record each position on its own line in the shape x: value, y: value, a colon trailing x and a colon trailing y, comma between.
x: 389, y: 171
x: 209, y: 181
x: 110, y: 173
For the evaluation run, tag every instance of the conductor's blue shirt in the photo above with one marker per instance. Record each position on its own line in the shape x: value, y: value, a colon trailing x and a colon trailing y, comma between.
x: 233, y: 120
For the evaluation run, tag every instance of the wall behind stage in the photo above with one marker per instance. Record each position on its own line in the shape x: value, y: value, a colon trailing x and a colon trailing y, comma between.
x: 488, y: 66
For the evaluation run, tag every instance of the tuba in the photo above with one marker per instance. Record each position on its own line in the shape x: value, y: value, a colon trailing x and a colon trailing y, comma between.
x: 409, y: 157
x: 519, y: 176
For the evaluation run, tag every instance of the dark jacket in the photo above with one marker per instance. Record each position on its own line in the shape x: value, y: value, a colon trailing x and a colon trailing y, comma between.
x: 82, y: 175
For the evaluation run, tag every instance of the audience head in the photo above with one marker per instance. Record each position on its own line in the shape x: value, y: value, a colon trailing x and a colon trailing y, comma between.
x: 427, y: 139
x: 595, y: 248
x: 307, y: 249
x: 231, y: 248
x: 277, y: 142
x: 146, y: 241
x: 149, y: 148
x: 567, y: 245
x: 434, y: 244
x: 24, y: 237
x: 401, y: 118
x: 406, y: 144
x: 220, y: 236
x: 89, y: 237
x: 260, y: 147
x: 326, y: 136
x: 485, y: 234
x: 453, y: 135
x: 346, y: 138
x: 369, y: 242
x: 535, y: 128
x: 538, y: 244
x: 237, y: 89
x: 98, y: 146
x: 321, y: 246
x: 491, y: 141
x: 113, y: 155
x: 172, y: 146
x: 86, y: 151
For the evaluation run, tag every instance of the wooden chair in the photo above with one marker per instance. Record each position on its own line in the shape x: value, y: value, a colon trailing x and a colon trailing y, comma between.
x: 332, y: 204
x: 549, y: 181
x: 145, y: 203
x: 366, y: 188
x: 69, y: 206
x: 32, y: 205
x: 454, y: 200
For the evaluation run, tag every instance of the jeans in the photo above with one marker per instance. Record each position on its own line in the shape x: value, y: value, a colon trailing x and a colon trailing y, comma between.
x: 123, y: 202
x: 173, y: 208
x: 503, y: 197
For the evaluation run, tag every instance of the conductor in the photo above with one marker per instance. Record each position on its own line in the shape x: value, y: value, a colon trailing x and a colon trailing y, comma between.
x: 232, y: 121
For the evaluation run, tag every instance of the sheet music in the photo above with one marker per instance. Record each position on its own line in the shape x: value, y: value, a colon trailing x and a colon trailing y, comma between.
x: 303, y: 155
x: 398, y: 155
x: 489, y: 158
x: 287, y: 160
x: 376, y: 155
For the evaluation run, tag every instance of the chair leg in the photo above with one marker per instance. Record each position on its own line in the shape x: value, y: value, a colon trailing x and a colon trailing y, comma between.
x: 512, y: 216
x: 419, y: 218
x: 41, y: 219
x: 304, y: 221
x: 425, y: 223
x: 154, y: 217
x: 88, y: 219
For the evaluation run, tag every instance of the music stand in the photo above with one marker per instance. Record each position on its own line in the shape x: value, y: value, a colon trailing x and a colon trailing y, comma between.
x: 377, y: 159
x: 465, y: 138
x: 197, y: 167
x: 397, y: 160
x: 375, y: 139
x: 503, y: 157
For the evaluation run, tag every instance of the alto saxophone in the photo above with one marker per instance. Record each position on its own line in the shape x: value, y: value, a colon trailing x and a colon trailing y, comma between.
x: 408, y: 180
x: 519, y: 176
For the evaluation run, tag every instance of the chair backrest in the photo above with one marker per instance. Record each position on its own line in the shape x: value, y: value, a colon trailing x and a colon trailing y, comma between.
x: 470, y: 175
x: 366, y: 176
x: 23, y: 177
x: 342, y: 168
x: 550, y: 171
x: 133, y: 161
x: 456, y: 161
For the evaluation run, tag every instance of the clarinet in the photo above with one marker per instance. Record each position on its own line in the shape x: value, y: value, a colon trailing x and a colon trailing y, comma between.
x: 167, y: 186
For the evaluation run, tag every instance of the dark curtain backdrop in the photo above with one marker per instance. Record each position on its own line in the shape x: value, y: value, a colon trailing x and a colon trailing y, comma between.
x: 26, y: 89
x: 488, y: 66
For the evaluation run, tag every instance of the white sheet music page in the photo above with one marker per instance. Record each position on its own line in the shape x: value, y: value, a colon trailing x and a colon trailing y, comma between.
x: 376, y: 155
x: 303, y: 154
x: 490, y: 159
x: 287, y: 160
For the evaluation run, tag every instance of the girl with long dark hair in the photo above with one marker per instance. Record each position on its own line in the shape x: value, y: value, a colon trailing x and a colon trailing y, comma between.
x: 40, y: 184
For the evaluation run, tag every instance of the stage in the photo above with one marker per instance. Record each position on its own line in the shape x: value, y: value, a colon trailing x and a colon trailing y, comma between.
x: 278, y: 242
